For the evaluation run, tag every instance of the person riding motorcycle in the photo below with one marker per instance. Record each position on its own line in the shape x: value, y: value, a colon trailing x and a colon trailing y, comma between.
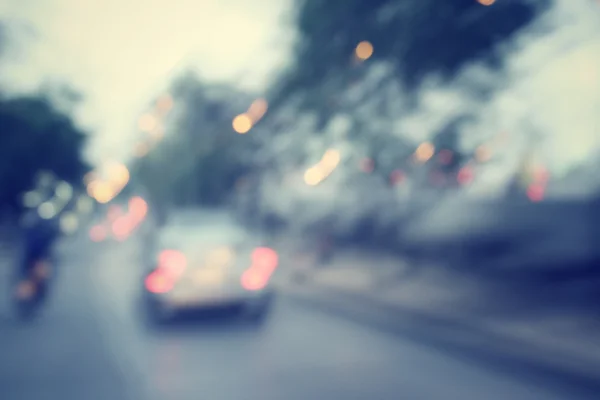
x: 40, y: 232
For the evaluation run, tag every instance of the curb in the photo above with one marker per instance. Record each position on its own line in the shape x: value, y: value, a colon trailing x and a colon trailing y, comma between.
x: 508, y: 355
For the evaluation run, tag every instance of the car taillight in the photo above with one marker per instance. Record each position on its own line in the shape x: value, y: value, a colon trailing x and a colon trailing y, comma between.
x: 264, y: 263
x: 159, y: 282
x: 253, y: 280
x: 264, y: 259
x: 172, y: 263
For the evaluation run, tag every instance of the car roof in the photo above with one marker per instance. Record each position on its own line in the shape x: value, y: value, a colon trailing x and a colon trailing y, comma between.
x: 188, y: 228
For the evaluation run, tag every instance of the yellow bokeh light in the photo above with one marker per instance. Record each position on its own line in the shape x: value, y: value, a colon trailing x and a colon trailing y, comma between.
x: 147, y: 122
x: 424, y: 152
x: 364, y: 50
x: 486, y: 2
x: 331, y: 158
x: 313, y: 176
x: 257, y: 109
x: 118, y: 173
x: 101, y: 191
x: 242, y: 124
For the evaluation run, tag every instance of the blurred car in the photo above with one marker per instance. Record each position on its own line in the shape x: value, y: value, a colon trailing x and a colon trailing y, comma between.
x: 207, y: 261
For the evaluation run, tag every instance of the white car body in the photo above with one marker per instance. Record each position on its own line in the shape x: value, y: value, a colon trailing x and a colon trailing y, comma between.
x: 208, y: 262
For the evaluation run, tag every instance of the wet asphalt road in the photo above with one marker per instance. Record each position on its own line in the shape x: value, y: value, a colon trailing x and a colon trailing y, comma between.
x: 90, y: 344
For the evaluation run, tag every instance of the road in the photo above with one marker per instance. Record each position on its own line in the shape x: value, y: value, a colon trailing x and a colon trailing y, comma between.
x: 90, y: 344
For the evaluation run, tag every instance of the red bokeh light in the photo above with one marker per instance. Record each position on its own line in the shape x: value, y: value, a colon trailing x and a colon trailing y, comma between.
x: 172, y: 262
x: 253, y: 280
x: 158, y: 282
x: 264, y: 263
x: 265, y: 259
x: 138, y: 208
x: 465, y: 175
x: 536, y: 192
x: 122, y: 227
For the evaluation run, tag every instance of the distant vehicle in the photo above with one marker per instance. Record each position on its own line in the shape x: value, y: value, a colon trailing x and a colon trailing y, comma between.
x: 203, y: 261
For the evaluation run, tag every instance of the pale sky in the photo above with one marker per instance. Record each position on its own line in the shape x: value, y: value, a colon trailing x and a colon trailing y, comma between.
x: 121, y: 53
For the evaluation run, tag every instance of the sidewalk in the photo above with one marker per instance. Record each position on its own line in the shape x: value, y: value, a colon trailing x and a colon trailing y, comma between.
x: 465, y: 310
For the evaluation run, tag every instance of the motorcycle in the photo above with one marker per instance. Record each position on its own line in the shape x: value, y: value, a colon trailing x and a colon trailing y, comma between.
x: 31, y: 290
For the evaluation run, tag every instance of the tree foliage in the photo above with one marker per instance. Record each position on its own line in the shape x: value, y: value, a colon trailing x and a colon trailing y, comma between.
x: 35, y: 136
x: 418, y: 37
x: 201, y: 158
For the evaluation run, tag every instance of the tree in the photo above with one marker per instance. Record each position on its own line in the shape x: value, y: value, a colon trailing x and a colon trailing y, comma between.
x: 34, y: 136
x: 201, y: 158
x: 418, y: 36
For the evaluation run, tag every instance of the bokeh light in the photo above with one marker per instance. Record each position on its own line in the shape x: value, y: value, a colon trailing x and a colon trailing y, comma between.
x: 486, y: 2
x: 47, y: 210
x: 313, y: 176
x: 118, y: 173
x: 331, y: 159
x: 138, y: 208
x: 424, y: 152
x: 536, y: 192
x: 69, y: 223
x: 242, y: 124
x: 101, y: 191
x: 364, y: 50
x: 257, y: 109
x: 64, y: 191
x: 465, y: 175
x: 32, y: 199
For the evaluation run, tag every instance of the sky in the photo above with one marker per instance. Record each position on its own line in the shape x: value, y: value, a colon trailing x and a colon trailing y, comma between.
x: 121, y: 54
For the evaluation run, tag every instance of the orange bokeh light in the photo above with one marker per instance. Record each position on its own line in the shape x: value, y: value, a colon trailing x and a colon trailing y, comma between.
x: 242, y: 124
x: 424, y: 152
x: 364, y: 50
x: 257, y: 109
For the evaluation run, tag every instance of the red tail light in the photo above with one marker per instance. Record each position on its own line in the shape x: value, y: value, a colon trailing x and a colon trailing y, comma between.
x: 158, y: 282
x: 264, y: 263
x: 172, y: 263
x: 265, y: 259
x: 254, y: 280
